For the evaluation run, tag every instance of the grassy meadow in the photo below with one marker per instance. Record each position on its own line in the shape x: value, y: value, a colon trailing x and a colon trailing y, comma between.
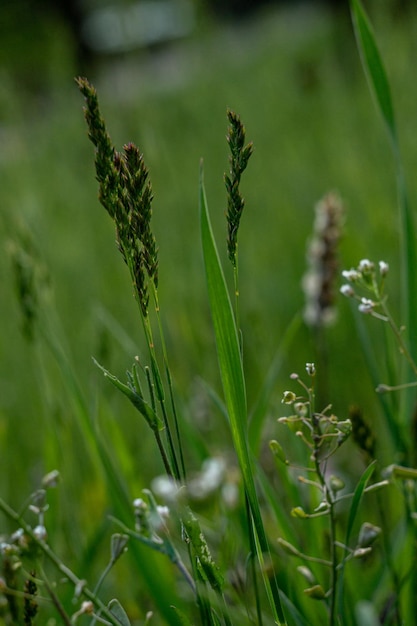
x: 295, y: 78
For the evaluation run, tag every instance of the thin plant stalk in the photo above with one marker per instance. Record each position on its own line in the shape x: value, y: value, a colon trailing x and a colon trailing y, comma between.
x: 315, y: 421
x: 51, y: 556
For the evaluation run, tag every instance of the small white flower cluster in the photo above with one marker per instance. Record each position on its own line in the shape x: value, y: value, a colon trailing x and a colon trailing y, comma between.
x: 215, y: 479
x: 149, y: 518
x: 366, y: 276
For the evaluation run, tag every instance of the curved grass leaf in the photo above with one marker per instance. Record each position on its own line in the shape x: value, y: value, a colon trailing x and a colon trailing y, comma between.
x: 233, y: 382
x: 136, y: 399
x: 374, y: 68
x: 379, y: 85
x: 354, y: 507
x: 182, y: 617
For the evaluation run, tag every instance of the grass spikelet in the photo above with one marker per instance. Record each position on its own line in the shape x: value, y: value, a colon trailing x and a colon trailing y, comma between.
x: 126, y: 193
x: 239, y: 157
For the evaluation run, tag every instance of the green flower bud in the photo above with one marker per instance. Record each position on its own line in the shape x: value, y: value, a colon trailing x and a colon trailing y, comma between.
x: 307, y: 573
x: 288, y: 547
x: 288, y: 397
x: 316, y: 592
x: 336, y: 483
x: 368, y: 534
x: 278, y: 451
x: 298, y: 511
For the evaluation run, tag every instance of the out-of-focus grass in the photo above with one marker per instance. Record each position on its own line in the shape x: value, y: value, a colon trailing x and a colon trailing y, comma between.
x: 305, y: 106
x: 300, y: 91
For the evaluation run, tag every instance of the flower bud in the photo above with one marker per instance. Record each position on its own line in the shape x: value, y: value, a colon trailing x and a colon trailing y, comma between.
x: 288, y: 397
x: 51, y: 479
x: 277, y: 451
x: 368, y: 534
x: 310, y: 369
x: 383, y: 268
x: 40, y: 533
x: 347, y: 290
x: 307, y: 573
x: 351, y: 275
x: 336, y: 483
x: 288, y: 547
x: 366, y: 305
x: 316, y: 592
x: 299, y: 512
x: 366, y: 266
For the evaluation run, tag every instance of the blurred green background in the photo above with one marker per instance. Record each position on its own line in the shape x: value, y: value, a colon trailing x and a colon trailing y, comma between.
x: 291, y: 70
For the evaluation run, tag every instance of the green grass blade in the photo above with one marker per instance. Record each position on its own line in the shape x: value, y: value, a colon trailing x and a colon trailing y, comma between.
x: 379, y: 85
x: 116, y: 485
x: 373, y: 66
x: 354, y: 507
x: 233, y: 382
x: 357, y: 497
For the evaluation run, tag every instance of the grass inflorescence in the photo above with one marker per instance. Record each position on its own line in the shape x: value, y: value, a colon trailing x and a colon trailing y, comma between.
x: 126, y: 194
x: 239, y: 157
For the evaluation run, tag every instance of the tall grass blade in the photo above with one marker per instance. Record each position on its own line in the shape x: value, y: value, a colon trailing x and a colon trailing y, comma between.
x: 379, y: 85
x: 233, y: 382
x: 373, y: 66
x: 354, y: 507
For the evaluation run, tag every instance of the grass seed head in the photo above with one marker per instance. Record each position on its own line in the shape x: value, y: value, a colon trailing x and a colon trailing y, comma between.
x: 126, y: 194
x: 239, y: 157
x: 322, y: 256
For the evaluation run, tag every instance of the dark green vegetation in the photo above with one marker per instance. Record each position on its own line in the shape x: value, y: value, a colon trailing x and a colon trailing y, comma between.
x: 307, y: 109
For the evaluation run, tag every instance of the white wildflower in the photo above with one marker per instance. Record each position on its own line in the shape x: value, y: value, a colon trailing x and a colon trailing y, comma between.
x: 351, y: 275
x: 366, y: 305
x: 366, y: 266
x: 347, y: 291
x: 40, y: 533
x: 310, y: 369
x: 383, y: 268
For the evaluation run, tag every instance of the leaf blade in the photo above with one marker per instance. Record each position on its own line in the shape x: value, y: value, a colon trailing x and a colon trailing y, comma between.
x: 373, y: 66
x: 233, y: 382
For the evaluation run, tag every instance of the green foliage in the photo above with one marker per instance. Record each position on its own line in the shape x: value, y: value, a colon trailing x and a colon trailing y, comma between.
x: 231, y: 371
x: 317, y: 528
x: 380, y: 88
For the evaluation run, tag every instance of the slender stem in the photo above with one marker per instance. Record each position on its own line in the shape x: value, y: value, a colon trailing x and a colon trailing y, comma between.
x: 163, y: 453
x: 55, y: 600
x: 169, y: 381
x: 13, y: 515
x: 176, y: 470
x: 317, y: 437
x: 333, y: 558
x: 403, y: 348
x: 236, y: 288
